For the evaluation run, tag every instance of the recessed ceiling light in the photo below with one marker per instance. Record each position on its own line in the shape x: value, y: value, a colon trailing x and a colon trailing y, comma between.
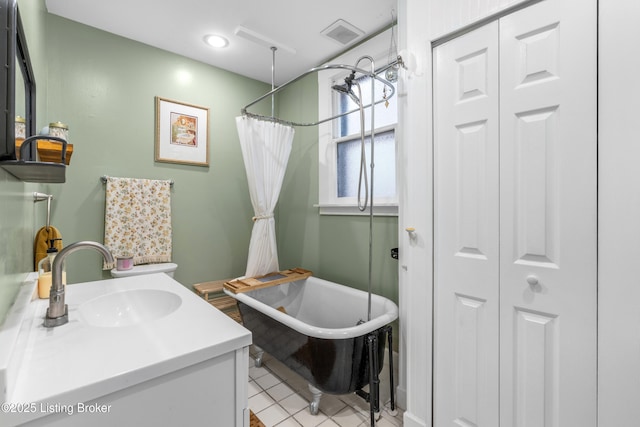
x: 215, y: 40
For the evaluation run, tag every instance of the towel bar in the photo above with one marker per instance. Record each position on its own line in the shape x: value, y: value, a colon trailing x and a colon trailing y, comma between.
x: 38, y: 197
x: 103, y: 178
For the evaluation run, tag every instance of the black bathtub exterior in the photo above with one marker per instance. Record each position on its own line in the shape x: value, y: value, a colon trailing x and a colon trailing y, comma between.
x: 334, y: 366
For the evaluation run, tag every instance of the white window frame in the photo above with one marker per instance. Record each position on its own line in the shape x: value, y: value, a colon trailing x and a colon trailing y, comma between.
x: 329, y: 203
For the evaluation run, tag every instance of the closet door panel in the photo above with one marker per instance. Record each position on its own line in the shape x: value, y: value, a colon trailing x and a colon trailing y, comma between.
x: 466, y: 230
x: 548, y: 215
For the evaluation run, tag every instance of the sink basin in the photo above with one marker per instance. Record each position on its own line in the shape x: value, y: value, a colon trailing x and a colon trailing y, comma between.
x: 128, y: 308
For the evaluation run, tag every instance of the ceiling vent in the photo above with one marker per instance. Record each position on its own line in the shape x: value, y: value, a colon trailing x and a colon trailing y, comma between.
x: 260, y: 39
x: 342, y: 32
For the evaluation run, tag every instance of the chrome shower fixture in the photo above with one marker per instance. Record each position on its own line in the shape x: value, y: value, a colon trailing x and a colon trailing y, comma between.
x: 373, y: 73
x: 346, y: 87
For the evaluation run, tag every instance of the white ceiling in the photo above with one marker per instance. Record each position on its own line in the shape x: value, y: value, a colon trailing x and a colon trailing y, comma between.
x: 180, y: 26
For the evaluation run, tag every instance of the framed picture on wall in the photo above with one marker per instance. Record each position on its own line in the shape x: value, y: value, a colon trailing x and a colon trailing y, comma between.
x: 182, y: 133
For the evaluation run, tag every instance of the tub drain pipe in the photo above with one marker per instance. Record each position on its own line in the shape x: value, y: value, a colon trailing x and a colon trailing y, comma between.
x: 393, y: 411
x: 374, y: 381
x: 373, y: 396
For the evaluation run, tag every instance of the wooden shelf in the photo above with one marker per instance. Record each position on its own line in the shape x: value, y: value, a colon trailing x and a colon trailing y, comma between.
x: 213, y: 293
x: 50, y: 151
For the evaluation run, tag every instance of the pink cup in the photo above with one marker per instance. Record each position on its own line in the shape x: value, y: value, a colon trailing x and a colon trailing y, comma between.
x: 124, y: 263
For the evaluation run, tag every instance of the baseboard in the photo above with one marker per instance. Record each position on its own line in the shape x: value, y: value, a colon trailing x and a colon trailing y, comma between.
x: 411, y: 420
x: 401, y: 397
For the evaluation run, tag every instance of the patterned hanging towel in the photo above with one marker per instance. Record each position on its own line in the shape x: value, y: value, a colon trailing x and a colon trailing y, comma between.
x: 137, y: 220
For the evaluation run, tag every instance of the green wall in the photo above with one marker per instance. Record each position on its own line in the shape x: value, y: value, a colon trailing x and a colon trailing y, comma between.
x: 104, y: 88
x: 16, y: 235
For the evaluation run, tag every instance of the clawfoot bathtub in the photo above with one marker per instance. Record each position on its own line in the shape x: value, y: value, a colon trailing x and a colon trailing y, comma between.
x: 318, y: 329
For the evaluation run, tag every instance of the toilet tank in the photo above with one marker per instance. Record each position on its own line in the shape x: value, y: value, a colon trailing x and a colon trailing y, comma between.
x: 138, y: 270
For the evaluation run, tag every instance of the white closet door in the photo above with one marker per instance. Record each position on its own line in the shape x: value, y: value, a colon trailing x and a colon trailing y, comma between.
x: 515, y: 221
x: 466, y: 230
x: 548, y: 212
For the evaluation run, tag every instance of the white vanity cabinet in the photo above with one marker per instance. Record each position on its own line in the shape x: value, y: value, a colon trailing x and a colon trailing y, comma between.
x: 198, y: 395
x: 186, y: 366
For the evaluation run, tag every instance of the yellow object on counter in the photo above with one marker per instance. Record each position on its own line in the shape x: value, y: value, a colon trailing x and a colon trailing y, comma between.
x: 44, y: 284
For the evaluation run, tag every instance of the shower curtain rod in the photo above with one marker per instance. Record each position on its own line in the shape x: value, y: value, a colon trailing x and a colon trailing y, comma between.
x: 323, y: 68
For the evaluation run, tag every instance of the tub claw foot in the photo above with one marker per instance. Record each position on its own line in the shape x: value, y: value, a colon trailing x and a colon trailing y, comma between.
x: 257, y: 361
x: 314, y: 405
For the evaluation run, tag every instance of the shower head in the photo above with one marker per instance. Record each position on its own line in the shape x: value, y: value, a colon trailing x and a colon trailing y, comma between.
x: 341, y: 88
x: 346, y: 87
x: 347, y: 91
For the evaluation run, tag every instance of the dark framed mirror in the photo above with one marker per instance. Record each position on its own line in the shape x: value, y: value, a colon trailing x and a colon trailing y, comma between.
x: 18, y: 80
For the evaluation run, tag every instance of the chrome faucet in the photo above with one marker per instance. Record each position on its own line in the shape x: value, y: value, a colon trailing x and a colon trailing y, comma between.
x: 57, y: 313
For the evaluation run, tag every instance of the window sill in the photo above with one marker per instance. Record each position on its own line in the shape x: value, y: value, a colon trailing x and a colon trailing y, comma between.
x: 378, y: 210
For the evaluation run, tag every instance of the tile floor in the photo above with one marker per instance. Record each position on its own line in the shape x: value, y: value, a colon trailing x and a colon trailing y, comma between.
x: 280, y: 397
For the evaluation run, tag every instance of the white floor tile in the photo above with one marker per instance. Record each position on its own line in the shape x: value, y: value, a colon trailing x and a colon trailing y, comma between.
x: 280, y: 391
x: 279, y: 368
x: 280, y: 398
x: 289, y: 422
x: 329, y: 423
x: 331, y: 405
x: 305, y: 418
x: 257, y: 372
x: 273, y: 415
x: 267, y: 381
x: 349, y: 417
x: 394, y: 420
x: 260, y: 401
x: 294, y: 403
x: 383, y: 422
x: 301, y: 386
x: 253, y: 389
x: 353, y: 400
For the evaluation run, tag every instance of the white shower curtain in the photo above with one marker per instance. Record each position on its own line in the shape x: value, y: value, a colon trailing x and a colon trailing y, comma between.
x: 265, y: 148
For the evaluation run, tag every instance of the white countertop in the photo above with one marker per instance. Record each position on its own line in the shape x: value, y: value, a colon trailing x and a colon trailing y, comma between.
x: 77, y: 362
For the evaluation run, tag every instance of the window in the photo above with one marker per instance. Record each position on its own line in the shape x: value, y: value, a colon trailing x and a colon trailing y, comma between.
x: 350, y: 124
x: 339, y: 144
x: 348, y: 142
x: 348, y: 164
